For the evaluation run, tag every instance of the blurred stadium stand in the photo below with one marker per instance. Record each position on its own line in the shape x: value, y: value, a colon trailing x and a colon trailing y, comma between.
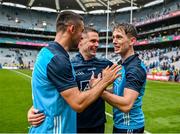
x: 23, y: 32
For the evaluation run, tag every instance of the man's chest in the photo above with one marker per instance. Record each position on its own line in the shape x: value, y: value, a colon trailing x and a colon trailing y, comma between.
x: 84, y: 73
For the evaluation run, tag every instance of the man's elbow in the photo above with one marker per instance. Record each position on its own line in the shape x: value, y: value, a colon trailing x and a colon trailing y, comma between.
x: 126, y: 108
x: 78, y: 108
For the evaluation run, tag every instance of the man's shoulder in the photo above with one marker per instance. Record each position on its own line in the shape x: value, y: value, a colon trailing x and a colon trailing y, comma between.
x: 44, y: 55
x: 76, y: 59
x: 103, y: 61
x: 136, y: 69
x: 58, y: 60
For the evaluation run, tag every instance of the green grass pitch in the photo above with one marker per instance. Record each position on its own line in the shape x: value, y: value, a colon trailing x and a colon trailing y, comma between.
x: 161, y: 104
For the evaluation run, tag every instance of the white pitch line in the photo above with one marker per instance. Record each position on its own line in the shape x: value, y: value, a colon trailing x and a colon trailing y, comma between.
x: 146, y: 132
x: 21, y: 73
x: 108, y: 114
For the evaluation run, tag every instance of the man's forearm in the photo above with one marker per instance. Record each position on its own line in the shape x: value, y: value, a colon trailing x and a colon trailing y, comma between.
x: 116, y: 101
x: 109, y: 89
x: 89, y: 96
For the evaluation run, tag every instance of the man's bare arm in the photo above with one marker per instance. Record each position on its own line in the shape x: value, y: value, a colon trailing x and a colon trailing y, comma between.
x: 124, y: 103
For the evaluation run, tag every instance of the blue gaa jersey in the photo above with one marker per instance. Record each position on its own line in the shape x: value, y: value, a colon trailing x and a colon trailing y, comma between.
x: 133, y: 77
x: 52, y: 75
x: 94, y: 115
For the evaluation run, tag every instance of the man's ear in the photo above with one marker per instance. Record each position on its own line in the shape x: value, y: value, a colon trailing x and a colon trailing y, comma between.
x: 71, y: 29
x: 79, y: 45
x: 80, y: 42
x: 133, y: 40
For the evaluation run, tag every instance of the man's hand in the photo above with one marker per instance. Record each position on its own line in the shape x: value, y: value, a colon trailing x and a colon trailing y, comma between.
x: 93, y: 81
x: 109, y: 74
x: 35, y: 118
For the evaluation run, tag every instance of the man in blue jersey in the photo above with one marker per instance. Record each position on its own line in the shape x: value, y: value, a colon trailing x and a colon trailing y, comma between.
x: 54, y: 88
x: 128, y: 89
x: 85, y: 63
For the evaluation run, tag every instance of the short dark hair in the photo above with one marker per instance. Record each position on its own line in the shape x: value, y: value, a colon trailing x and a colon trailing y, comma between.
x: 90, y: 29
x: 128, y: 28
x: 66, y: 18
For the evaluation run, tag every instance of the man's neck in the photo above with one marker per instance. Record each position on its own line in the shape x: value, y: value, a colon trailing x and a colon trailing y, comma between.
x: 63, y: 40
x: 128, y: 54
x: 86, y: 57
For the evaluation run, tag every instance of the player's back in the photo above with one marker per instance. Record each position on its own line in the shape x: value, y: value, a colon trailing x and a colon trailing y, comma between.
x: 59, y: 115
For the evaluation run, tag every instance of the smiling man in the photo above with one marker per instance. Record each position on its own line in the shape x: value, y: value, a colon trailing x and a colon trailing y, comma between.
x: 54, y: 87
x: 129, y: 89
x: 85, y: 63
x: 92, y: 119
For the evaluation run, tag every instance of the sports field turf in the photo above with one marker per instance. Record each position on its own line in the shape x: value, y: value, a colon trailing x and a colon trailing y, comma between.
x: 161, y: 104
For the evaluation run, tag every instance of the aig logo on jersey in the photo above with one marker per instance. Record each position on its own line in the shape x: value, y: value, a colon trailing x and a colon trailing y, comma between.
x: 84, y: 85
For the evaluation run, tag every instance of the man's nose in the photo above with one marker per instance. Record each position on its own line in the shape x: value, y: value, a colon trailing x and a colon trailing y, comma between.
x: 96, y: 44
x: 114, y: 41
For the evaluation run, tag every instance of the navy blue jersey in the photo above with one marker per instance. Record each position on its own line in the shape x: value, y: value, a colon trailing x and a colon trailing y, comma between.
x: 53, y: 74
x: 94, y: 115
x: 133, y: 77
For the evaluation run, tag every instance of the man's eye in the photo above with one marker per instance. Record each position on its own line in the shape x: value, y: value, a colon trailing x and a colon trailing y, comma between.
x: 119, y: 37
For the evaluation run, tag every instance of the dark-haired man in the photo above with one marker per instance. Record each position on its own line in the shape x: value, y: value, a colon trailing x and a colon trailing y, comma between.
x: 55, y: 91
x: 85, y: 63
x: 93, y: 118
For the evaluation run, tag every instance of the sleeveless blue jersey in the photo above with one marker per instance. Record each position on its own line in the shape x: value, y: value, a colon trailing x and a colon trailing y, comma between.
x: 133, y: 77
x: 53, y: 74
